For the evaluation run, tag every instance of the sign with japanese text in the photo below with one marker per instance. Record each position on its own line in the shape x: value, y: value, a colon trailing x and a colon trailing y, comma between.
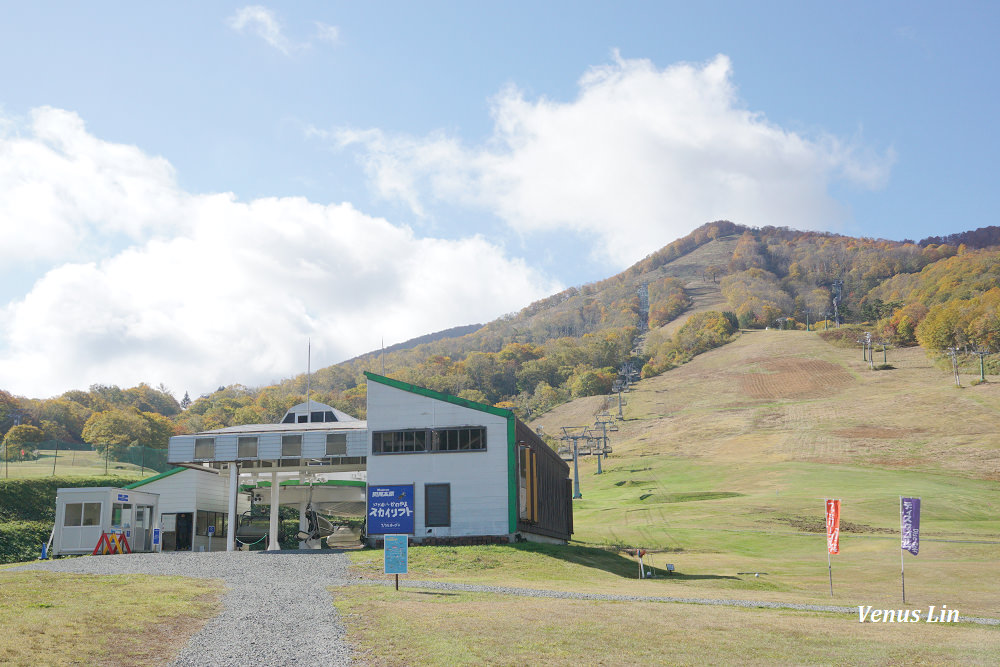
x: 833, y: 526
x: 390, y: 509
x: 396, y: 554
x: 909, y: 522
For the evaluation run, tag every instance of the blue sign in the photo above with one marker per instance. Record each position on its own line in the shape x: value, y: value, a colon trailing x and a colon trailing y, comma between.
x: 390, y: 509
x: 156, y: 537
x: 396, y: 554
x: 211, y: 531
x: 123, y: 497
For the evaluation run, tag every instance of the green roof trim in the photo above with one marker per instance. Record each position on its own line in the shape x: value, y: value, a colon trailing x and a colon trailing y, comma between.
x: 154, y: 478
x: 440, y: 396
x: 295, y: 482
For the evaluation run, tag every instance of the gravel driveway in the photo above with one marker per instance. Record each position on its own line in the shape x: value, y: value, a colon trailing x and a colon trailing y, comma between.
x: 276, y: 611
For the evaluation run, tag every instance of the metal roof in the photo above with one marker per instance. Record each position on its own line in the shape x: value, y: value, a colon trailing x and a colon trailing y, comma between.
x: 355, y: 425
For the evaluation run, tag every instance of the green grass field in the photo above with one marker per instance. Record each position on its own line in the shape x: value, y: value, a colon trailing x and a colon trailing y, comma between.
x: 71, y: 463
x: 721, y: 469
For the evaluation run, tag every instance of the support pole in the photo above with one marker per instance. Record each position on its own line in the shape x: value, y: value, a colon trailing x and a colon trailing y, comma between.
x: 829, y: 566
x: 272, y: 534
x: 576, y: 471
x: 303, y: 523
x: 234, y: 478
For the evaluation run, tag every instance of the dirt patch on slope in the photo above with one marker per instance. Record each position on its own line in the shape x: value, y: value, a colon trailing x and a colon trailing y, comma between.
x: 875, y: 432
x: 793, y: 377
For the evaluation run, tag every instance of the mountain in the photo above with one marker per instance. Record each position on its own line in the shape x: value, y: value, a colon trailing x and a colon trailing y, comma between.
x: 688, y: 297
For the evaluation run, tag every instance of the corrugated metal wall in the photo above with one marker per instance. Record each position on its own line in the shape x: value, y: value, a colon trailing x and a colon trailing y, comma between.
x: 550, y: 496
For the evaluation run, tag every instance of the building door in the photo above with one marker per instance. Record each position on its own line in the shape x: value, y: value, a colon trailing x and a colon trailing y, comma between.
x: 185, y: 526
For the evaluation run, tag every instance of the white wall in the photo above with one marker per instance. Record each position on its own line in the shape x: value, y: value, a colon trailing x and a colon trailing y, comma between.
x: 479, y: 480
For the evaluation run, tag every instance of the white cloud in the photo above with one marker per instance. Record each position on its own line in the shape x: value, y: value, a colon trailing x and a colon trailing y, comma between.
x: 327, y: 33
x: 63, y: 192
x: 205, y: 289
x: 261, y: 21
x: 640, y: 157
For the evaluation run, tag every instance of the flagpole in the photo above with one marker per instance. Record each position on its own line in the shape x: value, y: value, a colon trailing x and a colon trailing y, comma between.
x: 829, y: 565
x: 902, y: 561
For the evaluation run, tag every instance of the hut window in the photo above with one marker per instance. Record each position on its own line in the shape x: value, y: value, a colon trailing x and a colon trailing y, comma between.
x: 73, y: 514
x: 291, y: 445
x: 246, y: 447
x: 204, y: 448
x: 437, y: 504
x: 92, y: 514
x: 336, y: 444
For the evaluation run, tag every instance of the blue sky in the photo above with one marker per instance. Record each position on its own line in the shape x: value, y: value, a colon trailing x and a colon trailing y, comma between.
x: 189, y: 191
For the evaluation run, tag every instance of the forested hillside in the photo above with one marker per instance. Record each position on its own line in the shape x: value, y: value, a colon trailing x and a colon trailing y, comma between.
x: 701, y: 289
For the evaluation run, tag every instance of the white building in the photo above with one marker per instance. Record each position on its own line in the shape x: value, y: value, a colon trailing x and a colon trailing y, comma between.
x: 452, y: 469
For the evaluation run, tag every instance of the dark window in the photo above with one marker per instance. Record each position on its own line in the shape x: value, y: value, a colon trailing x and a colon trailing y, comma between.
x: 316, y: 416
x: 303, y: 419
x: 289, y: 418
x: 72, y: 514
x: 246, y: 447
x: 465, y: 439
x: 204, y: 448
x: 206, y: 519
x: 437, y: 505
x: 291, y: 446
x: 336, y: 444
x: 330, y: 417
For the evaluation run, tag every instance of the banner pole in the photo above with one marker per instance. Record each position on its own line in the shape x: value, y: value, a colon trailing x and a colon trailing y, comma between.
x: 902, y: 561
x: 829, y: 565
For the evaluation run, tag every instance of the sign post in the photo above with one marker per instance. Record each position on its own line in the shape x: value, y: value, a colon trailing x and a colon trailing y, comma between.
x: 210, y: 531
x: 396, y: 555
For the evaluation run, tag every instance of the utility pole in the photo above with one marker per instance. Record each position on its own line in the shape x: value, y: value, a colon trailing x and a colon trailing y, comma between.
x: 953, y: 353
x: 982, y: 352
x: 576, y: 457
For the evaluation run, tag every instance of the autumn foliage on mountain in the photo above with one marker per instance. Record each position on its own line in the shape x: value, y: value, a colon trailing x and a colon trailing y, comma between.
x: 939, y: 293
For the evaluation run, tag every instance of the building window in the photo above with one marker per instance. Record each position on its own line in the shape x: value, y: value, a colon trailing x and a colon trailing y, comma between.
x: 291, y: 446
x: 92, y: 514
x: 336, y: 444
x: 73, y: 514
x: 329, y: 416
x: 464, y: 439
x: 246, y: 447
x: 204, y: 448
x: 437, y: 505
x: 289, y: 418
x: 206, y: 519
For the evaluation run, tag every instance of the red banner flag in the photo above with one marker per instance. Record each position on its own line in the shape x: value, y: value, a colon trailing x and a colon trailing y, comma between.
x: 833, y: 526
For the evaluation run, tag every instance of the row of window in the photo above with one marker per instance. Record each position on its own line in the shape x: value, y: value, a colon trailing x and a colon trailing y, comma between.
x: 467, y: 439
x: 314, y: 417
x: 291, y: 446
x: 82, y: 514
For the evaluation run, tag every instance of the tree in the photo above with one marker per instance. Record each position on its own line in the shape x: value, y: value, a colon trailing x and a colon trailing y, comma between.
x: 186, y: 401
x: 116, y: 430
x: 21, y: 442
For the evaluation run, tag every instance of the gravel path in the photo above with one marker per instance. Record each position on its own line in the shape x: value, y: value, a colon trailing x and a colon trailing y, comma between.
x: 276, y: 611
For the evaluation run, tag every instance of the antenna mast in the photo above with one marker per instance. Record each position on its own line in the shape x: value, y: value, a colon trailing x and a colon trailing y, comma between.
x: 309, y: 378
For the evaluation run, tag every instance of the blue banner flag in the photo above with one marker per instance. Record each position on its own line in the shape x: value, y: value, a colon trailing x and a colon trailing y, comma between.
x: 390, y: 509
x: 909, y: 524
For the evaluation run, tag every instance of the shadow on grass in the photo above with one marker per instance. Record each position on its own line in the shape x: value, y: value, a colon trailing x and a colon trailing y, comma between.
x: 610, y: 561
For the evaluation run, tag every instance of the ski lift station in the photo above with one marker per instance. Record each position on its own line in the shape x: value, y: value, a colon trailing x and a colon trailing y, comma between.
x: 436, y: 467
